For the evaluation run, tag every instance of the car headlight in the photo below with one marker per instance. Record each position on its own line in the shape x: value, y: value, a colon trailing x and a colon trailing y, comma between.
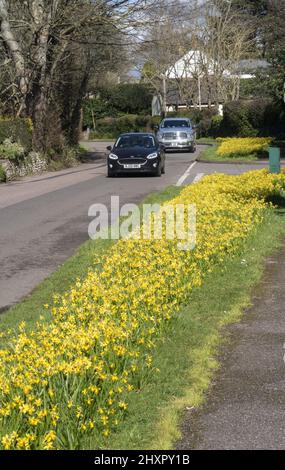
x: 152, y: 155
x: 190, y: 135
x: 112, y: 156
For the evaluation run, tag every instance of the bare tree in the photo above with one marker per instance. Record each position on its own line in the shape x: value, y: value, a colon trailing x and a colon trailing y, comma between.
x: 226, y: 39
x: 52, y: 46
x: 197, y: 48
x: 167, y: 39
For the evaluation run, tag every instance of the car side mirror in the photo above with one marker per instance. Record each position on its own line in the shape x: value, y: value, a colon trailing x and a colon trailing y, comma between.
x: 109, y: 147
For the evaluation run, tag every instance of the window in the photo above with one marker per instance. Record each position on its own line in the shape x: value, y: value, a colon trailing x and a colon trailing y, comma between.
x: 126, y: 141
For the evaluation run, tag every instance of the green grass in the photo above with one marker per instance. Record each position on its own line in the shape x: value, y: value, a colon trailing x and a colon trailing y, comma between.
x: 210, y: 154
x: 75, y: 267
x: 102, y: 139
x: 187, y: 357
x: 206, y: 140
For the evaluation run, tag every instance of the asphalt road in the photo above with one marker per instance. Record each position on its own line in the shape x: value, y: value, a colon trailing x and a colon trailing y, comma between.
x: 43, y: 219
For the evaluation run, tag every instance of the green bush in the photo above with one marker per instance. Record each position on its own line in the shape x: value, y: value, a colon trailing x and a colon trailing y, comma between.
x: 216, y: 123
x: 111, y: 128
x: 154, y: 121
x: 236, y: 121
x: 126, y: 123
x: 17, y: 130
x: 2, y: 174
x: 142, y: 122
x: 131, y: 98
x: 122, y: 99
x: 258, y: 117
x: 251, y: 118
x: 195, y: 114
x: 204, y: 128
x: 11, y: 150
x: 65, y: 158
x: 274, y: 120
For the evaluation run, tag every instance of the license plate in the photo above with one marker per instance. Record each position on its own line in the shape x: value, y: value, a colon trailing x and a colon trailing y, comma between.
x: 134, y: 165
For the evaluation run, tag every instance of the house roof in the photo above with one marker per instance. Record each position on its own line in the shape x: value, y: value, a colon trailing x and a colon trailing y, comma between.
x: 191, y: 64
x: 251, y: 65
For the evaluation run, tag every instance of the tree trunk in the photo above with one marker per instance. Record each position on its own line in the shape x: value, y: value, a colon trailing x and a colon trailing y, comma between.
x: 39, y: 98
x: 164, y: 97
x: 39, y: 117
x: 74, y: 130
x: 16, y: 53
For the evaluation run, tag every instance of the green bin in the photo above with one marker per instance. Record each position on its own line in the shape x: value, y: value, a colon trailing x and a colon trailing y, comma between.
x: 274, y: 160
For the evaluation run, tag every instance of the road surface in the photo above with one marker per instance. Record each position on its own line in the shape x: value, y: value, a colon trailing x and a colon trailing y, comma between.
x: 43, y: 219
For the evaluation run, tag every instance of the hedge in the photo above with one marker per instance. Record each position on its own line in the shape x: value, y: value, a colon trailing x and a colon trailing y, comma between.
x: 18, y: 130
x: 113, y: 127
x: 260, y: 117
x: 244, y: 118
x: 251, y: 118
x: 121, y: 99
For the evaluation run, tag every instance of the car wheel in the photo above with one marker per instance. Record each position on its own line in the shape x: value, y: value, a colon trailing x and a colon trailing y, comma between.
x: 193, y: 148
x: 111, y: 174
x: 163, y: 170
x: 158, y: 171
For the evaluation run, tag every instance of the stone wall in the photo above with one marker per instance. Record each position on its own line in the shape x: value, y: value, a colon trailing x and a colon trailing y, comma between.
x: 33, y: 164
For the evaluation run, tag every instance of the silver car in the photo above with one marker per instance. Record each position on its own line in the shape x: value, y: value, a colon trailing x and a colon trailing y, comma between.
x: 177, y: 133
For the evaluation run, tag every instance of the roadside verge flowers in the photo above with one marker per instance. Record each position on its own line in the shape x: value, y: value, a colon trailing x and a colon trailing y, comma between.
x: 69, y: 380
x: 242, y: 146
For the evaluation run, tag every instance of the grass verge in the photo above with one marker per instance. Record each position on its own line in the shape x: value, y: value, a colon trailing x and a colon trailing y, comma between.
x: 210, y: 154
x: 187, y: 357
x: 32, y: 307
x: 206, y: 141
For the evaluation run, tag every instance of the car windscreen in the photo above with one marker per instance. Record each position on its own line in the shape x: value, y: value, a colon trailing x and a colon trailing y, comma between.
x: 127, y: 141
x: 175, y: 123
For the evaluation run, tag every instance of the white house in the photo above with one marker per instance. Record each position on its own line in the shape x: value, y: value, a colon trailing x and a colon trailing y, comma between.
x: 192, y: 64
x: 195, y: 66
x: 196, y: 63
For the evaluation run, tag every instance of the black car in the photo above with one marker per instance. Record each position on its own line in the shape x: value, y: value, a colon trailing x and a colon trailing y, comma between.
x: 136, y: 153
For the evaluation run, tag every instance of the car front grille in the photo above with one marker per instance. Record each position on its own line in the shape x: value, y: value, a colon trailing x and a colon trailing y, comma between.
x: 170, y: 136
x: 131, y: 161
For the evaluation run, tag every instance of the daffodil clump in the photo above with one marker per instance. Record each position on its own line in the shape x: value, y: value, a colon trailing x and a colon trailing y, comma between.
x: 241, y: 147
x: 65, y: 385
